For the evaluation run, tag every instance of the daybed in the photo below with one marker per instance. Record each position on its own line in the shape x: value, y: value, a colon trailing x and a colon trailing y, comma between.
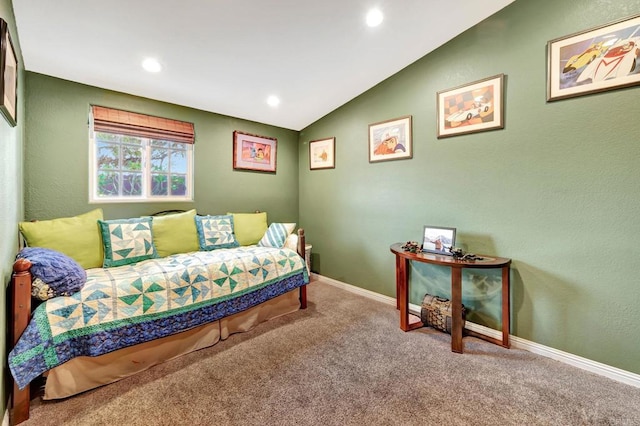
x: 138, y: 311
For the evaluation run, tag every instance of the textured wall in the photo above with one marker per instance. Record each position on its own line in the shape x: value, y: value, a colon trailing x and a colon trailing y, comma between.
x: 56, y: 172
x: 11, y: 193
x: 556, y: 190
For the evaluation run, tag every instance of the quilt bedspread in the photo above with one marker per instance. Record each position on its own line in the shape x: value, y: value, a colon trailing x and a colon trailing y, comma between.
x: 127, y: 305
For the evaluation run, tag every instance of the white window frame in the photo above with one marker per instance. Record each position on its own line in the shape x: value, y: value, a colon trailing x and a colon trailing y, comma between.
x: 146, y: 197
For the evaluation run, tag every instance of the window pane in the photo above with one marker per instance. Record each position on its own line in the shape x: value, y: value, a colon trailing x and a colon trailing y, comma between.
x: 160, y: 144
x: 106, y: 137
x: 108, y: 156
x: 112, y: 137
x: 159, y: 160
x: 167, y: 144
x: 178, y: 162
x: 108, y: 184
x: 178, y: 185
x: 131, y: 158
x: 159, y: 185
x: 131, y: 184
x: 131, y: 140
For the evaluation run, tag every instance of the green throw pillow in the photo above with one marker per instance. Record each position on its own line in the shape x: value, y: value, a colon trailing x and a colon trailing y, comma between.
x: 127, y: 241
x: 78, y: 237
x: 175, y: 233
x: 215, y: 232
x: 249, y: 227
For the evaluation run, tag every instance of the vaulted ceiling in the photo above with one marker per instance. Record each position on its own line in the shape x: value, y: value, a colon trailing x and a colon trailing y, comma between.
x: 229, y: 56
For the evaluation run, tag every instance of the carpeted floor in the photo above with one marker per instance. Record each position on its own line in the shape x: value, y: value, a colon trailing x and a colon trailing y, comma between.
x: 345, y: 361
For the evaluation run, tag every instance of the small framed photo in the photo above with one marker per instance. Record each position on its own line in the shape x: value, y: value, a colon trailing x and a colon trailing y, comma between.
x: 470, y: 108
x: 595, y: 60
x: 8, y: 75
x: 253, y: 152
x: 322, y: 154
x: 436, y: 239
x: 390, y: 140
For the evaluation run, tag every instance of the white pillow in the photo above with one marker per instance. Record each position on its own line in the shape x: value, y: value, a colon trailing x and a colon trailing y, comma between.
x: 292, y: 242
x: 276, y: 235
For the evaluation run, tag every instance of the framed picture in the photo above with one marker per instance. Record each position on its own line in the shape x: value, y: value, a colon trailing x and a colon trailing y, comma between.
x: 470, y: 108
x: 253, y: 152
x: 322, y: 154
x: 8, y: 75
x: 390, y: 140
x: 594, y: 60
x: 436, y: 239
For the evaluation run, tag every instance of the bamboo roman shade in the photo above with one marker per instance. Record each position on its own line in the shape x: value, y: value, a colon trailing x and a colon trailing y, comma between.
x: 111, y: 120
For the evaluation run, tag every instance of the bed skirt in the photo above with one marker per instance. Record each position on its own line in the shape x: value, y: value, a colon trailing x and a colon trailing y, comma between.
x: 85, y: 373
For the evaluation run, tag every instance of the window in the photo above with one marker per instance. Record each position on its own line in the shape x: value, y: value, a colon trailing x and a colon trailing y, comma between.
x: 138, y: 158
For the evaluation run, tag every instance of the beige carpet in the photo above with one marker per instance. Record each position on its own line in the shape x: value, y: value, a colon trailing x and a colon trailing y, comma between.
x: 344, y: 361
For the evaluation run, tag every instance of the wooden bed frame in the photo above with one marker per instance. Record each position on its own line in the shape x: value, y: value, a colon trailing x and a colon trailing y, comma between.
x: 20, y: 289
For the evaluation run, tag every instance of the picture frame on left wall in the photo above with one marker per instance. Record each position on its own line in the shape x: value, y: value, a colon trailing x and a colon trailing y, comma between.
x: 8, y: 76
x: 254, y: 152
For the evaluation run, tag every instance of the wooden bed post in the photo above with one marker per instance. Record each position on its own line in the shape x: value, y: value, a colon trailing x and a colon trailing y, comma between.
x: 302, y: 251
x: 20, y: 314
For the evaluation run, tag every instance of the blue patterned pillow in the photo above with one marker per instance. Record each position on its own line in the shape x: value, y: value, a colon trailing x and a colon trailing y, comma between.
x: 216, y: 232
x: 276, y: 235
x: 127, y: 241
x: 55, y: 274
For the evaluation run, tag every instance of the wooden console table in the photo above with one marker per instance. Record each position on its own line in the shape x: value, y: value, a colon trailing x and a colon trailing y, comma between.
x: 402, y: 291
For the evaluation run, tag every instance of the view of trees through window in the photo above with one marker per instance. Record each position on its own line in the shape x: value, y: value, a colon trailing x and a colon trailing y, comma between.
x: 129, y: 166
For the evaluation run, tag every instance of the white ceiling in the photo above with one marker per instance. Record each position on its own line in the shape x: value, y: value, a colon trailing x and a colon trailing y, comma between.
x: 228, y: 56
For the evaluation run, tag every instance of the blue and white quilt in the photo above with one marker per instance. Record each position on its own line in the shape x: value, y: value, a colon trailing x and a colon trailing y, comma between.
x: 131, y: 304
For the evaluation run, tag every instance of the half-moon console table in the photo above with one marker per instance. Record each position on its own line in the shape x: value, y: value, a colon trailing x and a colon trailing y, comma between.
x: 487, y: 262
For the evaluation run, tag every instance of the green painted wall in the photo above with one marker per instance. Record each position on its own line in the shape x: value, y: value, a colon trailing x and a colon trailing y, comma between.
x: 556, y: 190
x: 56, y: 164
x: 11, y: 194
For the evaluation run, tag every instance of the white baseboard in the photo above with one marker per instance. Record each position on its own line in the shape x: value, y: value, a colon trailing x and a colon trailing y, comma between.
x: 613, y: 373
x: 5, y: 419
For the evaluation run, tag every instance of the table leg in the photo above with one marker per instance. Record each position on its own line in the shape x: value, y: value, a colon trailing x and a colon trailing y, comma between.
x: 402, y: 284
x: 402, y: 292
x: 456, y: 310
x: 398, y: 279
x: 505, y: 306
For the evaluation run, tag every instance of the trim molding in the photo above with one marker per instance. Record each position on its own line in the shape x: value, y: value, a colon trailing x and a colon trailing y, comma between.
x: 605, y: 370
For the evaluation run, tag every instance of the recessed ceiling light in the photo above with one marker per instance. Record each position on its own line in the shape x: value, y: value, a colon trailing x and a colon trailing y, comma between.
x: 273, y: 101
x: 151, y: 65
x: 374, y: 17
